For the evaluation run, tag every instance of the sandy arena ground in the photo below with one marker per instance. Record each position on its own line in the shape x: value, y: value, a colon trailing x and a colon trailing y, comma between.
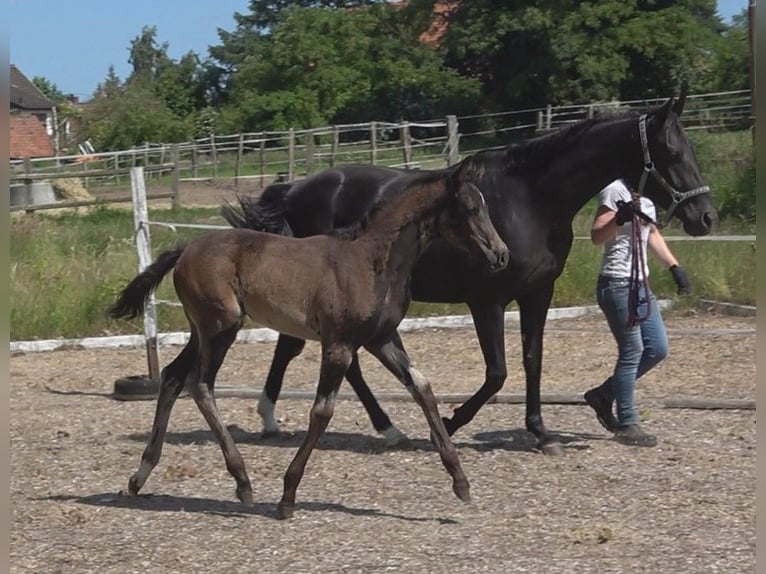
x: 687, y: 505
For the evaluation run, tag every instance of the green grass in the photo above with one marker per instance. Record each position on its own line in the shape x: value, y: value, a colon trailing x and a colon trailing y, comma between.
x: 66, y: 269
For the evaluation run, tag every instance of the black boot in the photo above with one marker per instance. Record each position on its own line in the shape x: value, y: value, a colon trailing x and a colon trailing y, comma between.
x: 600, y: 403
x: 634, y: 435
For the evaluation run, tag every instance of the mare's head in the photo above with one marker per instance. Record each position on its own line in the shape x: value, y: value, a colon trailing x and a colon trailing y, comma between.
x: 466, y: 224
x: 671, y: 176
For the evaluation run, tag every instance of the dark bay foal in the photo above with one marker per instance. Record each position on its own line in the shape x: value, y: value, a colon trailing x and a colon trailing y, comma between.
x: 348, y: 290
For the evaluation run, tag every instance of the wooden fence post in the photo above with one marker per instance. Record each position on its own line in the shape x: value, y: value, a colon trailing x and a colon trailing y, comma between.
x: 452, y: 141
x: 194, y: 159
x: 291, y: 154
x: 238, y: 164
x: 262, y: 155
x: 309, y: 151
x: 373, y: 143
x: 175, y: 175
x: 335, y: 144
x: 214, y: 157
x: 406, y: 144
x: 144, y: 249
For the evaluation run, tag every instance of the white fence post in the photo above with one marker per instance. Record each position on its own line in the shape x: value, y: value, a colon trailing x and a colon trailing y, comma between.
x: 144, y: 249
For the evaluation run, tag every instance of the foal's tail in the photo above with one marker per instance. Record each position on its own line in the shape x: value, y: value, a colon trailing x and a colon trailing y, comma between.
x: 266, y: 213
x: 133, y: 298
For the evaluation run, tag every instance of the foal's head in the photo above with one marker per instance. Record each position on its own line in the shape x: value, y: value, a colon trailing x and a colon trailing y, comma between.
x: 466, y: 224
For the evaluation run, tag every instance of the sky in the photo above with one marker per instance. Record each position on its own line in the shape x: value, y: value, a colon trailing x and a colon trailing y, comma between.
x: 72, y: 43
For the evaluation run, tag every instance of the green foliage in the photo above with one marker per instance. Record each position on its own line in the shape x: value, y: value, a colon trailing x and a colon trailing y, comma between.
x: 320, y: 65
x: 49, y: 89
x: 727, y: 161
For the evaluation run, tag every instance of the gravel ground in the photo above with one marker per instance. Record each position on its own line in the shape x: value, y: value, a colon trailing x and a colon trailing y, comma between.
x: 687, y: 505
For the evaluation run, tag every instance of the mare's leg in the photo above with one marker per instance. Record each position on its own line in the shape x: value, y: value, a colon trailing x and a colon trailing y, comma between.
x: 336, y: 358
x: 378, y: 416
x: 286, y: 350
x: 489, y: 322
x: 212, y: 353
x: 393, y: 356
x: 173, y: 378
x: 533, y: 310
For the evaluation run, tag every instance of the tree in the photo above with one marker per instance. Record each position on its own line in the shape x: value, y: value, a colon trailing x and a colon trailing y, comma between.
x: 730, y: 64
x: 318, y: 65
x: 49, y: 89
x: 530, y: 53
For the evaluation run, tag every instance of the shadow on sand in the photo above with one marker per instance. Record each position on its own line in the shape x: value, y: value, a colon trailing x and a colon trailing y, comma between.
x: 513, y: 440
x: 164, y: 503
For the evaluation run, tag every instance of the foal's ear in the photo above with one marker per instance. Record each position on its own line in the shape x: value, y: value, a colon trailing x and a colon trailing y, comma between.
x: 468, y: 189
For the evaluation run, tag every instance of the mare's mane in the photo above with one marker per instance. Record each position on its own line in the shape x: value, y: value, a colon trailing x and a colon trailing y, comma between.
x: 537, y: 153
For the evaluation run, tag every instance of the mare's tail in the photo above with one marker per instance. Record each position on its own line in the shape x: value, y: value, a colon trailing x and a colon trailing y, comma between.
x: 265, y: 213
x: 133, y: 298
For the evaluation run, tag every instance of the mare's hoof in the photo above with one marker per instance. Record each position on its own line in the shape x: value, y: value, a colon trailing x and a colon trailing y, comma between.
x: 133, y: 487
x: 462, y: 490
x: 553, y: 448
x: 245, y: 495
x: 285, y: 510
x: 271, y: 433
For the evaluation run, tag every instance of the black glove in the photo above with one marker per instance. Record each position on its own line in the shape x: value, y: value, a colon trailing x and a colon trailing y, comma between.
x: 625, y: 212
x: 682, y: 281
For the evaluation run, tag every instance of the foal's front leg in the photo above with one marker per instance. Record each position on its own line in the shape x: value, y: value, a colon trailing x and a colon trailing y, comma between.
x: 336, y: 358
x: 212, y: 354
x: 393, y: 356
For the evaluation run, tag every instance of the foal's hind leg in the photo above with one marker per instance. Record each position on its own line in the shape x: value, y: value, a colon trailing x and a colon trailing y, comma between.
x: 212, y: 354
x: 335, y: 361
x: 286, y: 350
x: 393, y: 356
x: 378, y: 416
x: 173, y: 380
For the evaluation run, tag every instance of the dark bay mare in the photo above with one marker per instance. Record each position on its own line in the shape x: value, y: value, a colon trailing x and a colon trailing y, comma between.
x: 348, y: 289
x: 533, y: 191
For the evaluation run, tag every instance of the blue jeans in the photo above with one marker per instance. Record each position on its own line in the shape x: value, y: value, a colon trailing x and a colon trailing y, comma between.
x: 640, y: 347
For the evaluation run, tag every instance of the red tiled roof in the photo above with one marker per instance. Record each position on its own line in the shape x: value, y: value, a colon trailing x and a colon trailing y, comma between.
x: 29, y: 138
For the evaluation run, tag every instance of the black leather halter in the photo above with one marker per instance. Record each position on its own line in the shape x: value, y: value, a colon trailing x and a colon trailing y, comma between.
x: 650, y: 170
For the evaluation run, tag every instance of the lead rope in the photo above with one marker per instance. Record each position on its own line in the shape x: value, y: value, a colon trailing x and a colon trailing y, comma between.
x: 638, y: 276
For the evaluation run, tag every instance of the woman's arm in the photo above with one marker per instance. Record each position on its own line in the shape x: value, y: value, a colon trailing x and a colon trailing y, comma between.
x: 659, y: 248
x: 604, y: 226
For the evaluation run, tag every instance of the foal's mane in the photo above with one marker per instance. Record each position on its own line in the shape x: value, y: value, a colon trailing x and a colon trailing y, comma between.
x: 393, y: 194
x: 537, y: 153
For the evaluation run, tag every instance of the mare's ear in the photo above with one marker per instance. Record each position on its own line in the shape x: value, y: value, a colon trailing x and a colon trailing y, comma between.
x: 678, y: 105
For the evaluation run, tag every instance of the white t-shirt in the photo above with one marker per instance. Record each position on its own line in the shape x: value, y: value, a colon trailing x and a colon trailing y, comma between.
x: 616, y: 260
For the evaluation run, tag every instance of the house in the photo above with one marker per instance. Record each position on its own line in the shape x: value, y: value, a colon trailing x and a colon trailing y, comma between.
x: 32, y: 119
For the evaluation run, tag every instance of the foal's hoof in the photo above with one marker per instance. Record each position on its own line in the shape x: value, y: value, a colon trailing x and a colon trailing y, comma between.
x: 133, y: 486
x: 552, y: 448
x: 462, y: 490
x: 285, y: 510
x: 245, y: 495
